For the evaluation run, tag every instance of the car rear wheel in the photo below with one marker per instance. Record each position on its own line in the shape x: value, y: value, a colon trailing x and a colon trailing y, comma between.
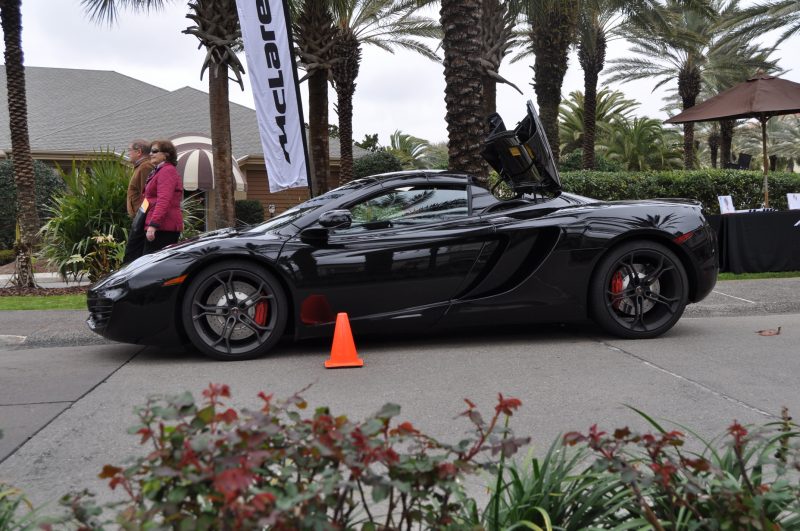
x: 639, y: 290
x: 234, y: 310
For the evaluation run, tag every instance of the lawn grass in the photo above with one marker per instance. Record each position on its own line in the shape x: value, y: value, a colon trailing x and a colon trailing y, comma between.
x: 54, y: 302
x: 757, y: 276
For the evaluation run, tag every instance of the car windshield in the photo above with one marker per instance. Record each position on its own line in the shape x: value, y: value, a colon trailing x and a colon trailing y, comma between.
x: 290, y: 216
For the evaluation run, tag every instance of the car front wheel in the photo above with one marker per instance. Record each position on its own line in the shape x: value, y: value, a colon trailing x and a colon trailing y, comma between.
x: 639, y: 290
x: 234, y: 310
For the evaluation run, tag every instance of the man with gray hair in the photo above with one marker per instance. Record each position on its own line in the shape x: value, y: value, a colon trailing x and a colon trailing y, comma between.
x: 139, y: 155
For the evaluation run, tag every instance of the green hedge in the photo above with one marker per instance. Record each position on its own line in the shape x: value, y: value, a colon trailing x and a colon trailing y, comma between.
x: 375, y: 163
x: 745, y: 187
x: 48, y: 182
x: 249, y: 212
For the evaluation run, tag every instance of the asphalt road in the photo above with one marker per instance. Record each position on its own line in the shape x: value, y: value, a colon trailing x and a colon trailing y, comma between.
x: 66, y: 396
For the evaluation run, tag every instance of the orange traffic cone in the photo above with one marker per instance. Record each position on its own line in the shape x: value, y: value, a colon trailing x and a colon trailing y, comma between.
x: 343, y: 351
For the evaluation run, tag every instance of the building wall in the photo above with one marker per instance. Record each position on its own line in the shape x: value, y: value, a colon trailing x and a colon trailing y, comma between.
x: 258, y: 189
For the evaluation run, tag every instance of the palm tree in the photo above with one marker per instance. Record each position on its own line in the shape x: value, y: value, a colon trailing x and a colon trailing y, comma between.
x: 729, y: 61
x: 498, y: 37
x: 387, y: 24
x: 765, y: 17
x: 642, y: 144
x: 461, y: 23
x: 27, y: 217
x: 552, y: 27
x: 675, y: 44
x: 315, y: 37
x: 216, y: 26
x: 412, y: 152
x: 611, y: 106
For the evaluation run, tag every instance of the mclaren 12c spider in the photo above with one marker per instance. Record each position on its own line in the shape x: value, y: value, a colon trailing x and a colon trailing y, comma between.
x: 417, y: 250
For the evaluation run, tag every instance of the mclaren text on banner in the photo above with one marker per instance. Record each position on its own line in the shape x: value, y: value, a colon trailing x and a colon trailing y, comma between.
x: 268, y: 47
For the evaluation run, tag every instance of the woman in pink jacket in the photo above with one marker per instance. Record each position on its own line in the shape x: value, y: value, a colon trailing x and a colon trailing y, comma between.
x: 163, y: 192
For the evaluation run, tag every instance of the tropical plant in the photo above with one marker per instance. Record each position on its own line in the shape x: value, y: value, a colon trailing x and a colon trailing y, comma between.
x: 314, y: 32
x: 466, y: 129
x: 499, y: 20
x: 641, y: 144
x: 674, y: 44
x: 560, y: 488
x: 412, y: 152
x: 93, y: 204
x: 599, y: 22
x: 27, y: 216
x: 386, y: 24
x: 216, y: 26
x: 551, y: 30
x: 610, y: 106
x: 783, y: 139
x: 370, y: 143
x: 98, y: 255
x: 764, y: 17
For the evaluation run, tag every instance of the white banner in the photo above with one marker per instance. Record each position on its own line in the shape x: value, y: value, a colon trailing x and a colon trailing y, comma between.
x: 268, y: 47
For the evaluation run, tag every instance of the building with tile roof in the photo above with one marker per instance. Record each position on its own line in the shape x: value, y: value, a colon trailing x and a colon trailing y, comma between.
x: 73, y: 114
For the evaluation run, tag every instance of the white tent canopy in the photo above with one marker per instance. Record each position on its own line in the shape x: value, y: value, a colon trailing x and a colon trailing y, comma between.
x: 196, y: 163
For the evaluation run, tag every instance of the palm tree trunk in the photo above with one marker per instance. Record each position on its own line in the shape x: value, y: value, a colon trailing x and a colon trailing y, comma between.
x: 27, y: 217
x: 221, y: 145
x: 466, y: 126
x: 592, y: 62
x: 689, y: 81
x: 551, y: 36
x: 726, y: 140
x: 713, y: 147
x: 345, y: 72
x: 318, y: 130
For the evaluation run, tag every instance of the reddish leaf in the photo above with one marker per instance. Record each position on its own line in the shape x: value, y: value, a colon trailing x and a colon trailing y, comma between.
x: 228, y: 417
x: 232, y: 481
x: 507, y: 406
x: 109, y: 472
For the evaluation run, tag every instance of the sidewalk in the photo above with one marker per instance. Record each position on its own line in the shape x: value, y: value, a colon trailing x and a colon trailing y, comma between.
x: 47, y: 280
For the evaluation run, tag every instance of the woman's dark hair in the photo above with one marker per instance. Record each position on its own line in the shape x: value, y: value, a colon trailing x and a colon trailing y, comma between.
x: 168, y: 149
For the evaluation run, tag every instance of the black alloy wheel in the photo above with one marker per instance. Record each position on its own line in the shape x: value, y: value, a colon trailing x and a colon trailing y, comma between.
x: 234, y: 310
x: 639, y: 290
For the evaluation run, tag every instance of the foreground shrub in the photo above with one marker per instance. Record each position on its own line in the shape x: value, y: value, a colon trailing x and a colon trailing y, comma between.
x: 751, y: 482
x: 213, y: 467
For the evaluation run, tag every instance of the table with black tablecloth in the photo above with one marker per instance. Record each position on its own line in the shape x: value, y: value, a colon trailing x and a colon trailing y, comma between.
x: 755, y: 242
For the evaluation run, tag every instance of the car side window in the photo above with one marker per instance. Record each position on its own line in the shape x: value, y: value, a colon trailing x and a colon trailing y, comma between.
x: 408, y: 206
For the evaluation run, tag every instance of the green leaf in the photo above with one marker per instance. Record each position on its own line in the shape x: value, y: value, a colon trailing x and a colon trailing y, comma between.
x: 380, y: 492
x: 206, y: 415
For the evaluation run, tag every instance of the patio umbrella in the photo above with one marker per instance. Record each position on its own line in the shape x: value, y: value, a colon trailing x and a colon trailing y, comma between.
x: 196, y: 163
x: 761, y: 97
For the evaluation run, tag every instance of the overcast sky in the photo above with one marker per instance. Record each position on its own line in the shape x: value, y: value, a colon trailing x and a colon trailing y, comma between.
x: 402, y: 91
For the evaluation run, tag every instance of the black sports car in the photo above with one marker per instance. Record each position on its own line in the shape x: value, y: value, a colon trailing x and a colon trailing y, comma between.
x: 421, y: 249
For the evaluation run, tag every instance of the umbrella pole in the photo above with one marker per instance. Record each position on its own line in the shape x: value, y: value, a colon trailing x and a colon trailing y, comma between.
x: 764, y: 119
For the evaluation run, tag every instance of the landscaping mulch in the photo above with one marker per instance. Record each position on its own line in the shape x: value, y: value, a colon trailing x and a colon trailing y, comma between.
x: 41, y: 292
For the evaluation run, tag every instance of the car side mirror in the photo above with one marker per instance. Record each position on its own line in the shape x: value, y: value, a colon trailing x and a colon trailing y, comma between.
x: 336, y: 219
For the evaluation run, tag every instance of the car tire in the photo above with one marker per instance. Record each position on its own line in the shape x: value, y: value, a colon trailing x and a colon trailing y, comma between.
x: 234, y: 310
x: 639, y: 290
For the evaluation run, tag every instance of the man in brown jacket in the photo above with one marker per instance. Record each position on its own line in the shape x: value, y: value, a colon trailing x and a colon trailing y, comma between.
x: 139, y: 155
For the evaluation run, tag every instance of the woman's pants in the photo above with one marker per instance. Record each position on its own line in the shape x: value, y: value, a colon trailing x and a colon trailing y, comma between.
x: 162, y: 239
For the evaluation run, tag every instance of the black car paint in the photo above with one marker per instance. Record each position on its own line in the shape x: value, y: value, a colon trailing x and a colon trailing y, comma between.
x: 506, y: 262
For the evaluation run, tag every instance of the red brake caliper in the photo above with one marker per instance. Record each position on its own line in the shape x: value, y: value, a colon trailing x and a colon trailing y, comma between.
x: 617, y: 285
x: 262, y: 311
